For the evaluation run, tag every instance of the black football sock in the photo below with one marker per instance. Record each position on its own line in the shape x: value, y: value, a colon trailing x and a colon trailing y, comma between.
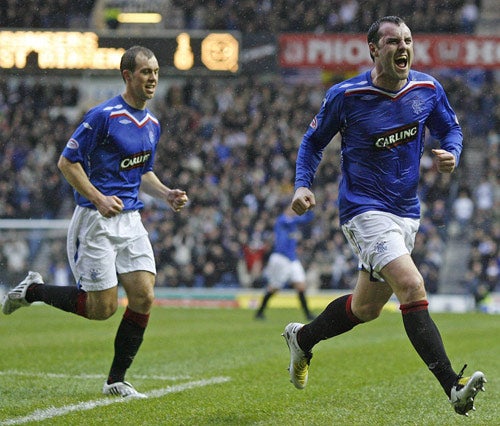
x: 68, y: 298
x: 337, y: 318
x: 263, y: 304
x: 303, y: 303
x: 127, y: 342
x: 427, y: 341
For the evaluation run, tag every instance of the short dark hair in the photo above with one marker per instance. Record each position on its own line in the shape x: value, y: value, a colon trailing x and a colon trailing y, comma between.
x: 128, y: 58
x: 373, y: 32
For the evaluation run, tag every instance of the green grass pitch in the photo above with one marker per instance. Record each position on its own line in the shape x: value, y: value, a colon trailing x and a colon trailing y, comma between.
x: 221, y: 367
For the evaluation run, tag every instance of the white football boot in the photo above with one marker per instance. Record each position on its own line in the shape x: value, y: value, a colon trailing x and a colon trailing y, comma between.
x: 299, y: 360
x: 123, y: 389
x: 16, y: 298
x: 465, y: 390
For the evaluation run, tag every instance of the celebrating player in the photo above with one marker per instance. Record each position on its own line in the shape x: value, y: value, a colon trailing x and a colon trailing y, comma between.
x: 107, y: 160
x: 381, y: 115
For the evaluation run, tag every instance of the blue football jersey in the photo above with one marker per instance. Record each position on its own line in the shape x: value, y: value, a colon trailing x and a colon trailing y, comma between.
x: 116, y: 145
x: 382, y: 141
x: 286, y: 231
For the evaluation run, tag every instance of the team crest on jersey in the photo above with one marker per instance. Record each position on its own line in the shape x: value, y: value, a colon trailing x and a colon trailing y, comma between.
x: 314, y: 123
x: 151, y: 136
x: 72, y: 144
x: 134, y: 161
x: 417, y: 105
x: 395, y: 137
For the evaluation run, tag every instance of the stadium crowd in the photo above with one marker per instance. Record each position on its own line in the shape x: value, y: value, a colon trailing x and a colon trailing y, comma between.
x: 253, y: 16
x: 45, y: 14
x: 250, y: 16
x: 232, y: 145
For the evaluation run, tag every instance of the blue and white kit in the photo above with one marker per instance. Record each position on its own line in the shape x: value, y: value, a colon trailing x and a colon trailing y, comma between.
x: 380, y: 154
x: 283, y: 265
x: 116, y: 145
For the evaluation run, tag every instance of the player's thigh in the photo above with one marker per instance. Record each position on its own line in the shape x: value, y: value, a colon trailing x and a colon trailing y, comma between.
x: 277, y: 270
x: 136, y: 269
x: 139, y: 287
x: 297, y: 275
x: 369, y: 297
x: 405, y: 279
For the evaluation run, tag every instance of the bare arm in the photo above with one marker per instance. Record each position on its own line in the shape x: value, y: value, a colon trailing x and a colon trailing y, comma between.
x: 108, y: 206
x: 175, y: 198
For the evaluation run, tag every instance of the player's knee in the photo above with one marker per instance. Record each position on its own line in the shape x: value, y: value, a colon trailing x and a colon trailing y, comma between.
x: 101, y: 305
x: 141, y: 302
x: 411, y: 289
x: 147, y: 301
x: 300, y: 287
x: 368, y: 311
x: 102, y: 311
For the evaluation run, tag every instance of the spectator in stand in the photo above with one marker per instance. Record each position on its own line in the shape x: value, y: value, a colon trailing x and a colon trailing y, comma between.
x: 468, y: 15
x: 16, y: 253
x: 463, y: 209
x: 483, y: 194
x: 254, y: 254
x: 475, y: 282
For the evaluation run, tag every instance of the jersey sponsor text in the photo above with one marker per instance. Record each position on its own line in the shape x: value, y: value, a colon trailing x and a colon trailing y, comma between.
x: 136, y: 160
x: 396, y: 137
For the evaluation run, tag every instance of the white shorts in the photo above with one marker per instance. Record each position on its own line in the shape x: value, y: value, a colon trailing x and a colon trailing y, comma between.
x: 378, y: 238
x: 280, y: 270
x: 100, y: 248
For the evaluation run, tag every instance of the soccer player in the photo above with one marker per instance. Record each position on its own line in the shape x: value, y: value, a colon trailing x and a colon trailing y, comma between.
x: 107, y: 160
x: 283, y: 265
x: 381, y: 115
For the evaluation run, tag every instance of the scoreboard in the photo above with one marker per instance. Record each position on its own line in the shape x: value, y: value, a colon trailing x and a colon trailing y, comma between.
x: 178, y: 52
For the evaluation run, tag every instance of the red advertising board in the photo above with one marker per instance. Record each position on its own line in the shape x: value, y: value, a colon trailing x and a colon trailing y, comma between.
x: 350, y: 51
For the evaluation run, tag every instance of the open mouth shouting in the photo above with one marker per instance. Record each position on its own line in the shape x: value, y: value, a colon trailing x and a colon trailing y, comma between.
x: 402, y: 62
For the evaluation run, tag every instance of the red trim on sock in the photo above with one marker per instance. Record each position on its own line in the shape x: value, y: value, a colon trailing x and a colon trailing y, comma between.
x: 30, y: 297
x: 408, y: 308
x: 137, y: 318
x: 353, y: 318
x: 81, y: 304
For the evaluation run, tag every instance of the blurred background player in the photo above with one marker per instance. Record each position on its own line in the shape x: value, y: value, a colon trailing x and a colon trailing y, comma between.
x: 382, y: 115
x: 108, y: 158
x: 283, y: 265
